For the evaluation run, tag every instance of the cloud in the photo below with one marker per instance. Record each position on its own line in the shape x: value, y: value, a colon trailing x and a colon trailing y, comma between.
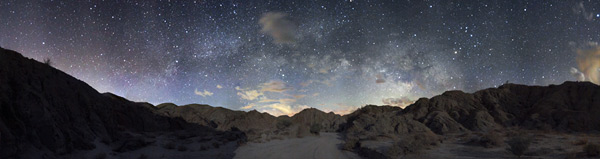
x: 399, y: 102
x: 248, y: 94
x: 219, y: 86
x: 249, y: 106
x: 323, y: 70
x: 278, y: 26
x: 282, y: 100
x: 307, y: 83
x: 204, y: 93
x: 578, y: 75
x: 342, y: 109
x: 579, y: 9
x: 278, y: 109
x: 588, y: 61
x: 273, y: 86
x: 298, y: 96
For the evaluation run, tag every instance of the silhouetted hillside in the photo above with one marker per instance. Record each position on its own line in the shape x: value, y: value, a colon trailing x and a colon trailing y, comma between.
x: 569, y: 107
x: 47, y: 113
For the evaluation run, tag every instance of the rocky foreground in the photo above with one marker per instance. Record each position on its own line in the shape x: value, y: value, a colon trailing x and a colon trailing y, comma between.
x: 45, y: 113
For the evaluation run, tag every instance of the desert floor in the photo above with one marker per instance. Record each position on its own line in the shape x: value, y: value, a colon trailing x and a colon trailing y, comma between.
x: 327, y: 145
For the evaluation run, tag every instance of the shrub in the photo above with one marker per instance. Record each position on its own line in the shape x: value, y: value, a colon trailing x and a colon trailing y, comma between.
x: 395, y: 150
x: 169, y: 145
x: 518, y: 145
x: 283, y: 123
x: 202, y: 148
x: 571, y: 155
x: 100, y: 156
x: 181, y: 148
x: 580, y: 142
x: 216, y: 144
x: 418, y: 142
x: 350, y: 144
x: 491, y: 139
x: 412, y: 144
x: 315, y: 129
x: 47, y: 61
x: 302, y: 131
x: 592, y: 150
x: 142, y: 156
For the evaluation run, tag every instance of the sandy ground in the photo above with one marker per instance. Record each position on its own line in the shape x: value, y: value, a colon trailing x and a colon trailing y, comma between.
x: 327, y: 145
x: 192, y: 148
x: 544, y: 146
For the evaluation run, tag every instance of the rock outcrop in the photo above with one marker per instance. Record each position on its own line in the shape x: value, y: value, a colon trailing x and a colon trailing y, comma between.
x: 253, y: 123
x: 569, y: 107
x: 329, y: 122
x: 256, y: 125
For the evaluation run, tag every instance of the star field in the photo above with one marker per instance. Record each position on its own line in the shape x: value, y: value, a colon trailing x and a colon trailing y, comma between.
x: 283, y: 56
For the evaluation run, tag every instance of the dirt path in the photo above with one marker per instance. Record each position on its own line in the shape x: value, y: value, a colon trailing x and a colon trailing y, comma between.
x: 327, y: 145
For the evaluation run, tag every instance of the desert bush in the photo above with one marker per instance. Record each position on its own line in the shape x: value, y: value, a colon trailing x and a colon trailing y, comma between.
x: 581, y: 142
x: 488, y: 140
x: 169, y: 145
x: 492, y: 139
x: 105, y: 140
x: 592, y: 150
x: 302, y: 131
x: 350, y: 144
x: 202, y: 148
x: 47, y: 61
x: 181, y: 148
x: 315, y: 128
x: 395, y: 150
x: 413, y: 143
x: 283, y: 123
x: 142, y: 156
x: 571, y: 155
x: 100, y: 156
x: 518, y: 145
x: 418, y: 142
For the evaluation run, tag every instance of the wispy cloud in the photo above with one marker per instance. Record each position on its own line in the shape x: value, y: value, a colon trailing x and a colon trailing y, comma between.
x: 282, y: 100
x: 249, y: 106
x: 203, y: 93
x: 248, y: 94
x: 298, y: 96
x: 399, y: 102
x: 278, y: 109
x: 278, y: 26
x: 274, y: 86
x: 580, y: 10
x: 587, y: 61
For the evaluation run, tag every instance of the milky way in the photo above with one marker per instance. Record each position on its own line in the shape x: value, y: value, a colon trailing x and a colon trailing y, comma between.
x: 282, y: 56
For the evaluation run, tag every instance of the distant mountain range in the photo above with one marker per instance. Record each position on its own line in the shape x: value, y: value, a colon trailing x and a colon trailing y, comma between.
x: 45, y: 113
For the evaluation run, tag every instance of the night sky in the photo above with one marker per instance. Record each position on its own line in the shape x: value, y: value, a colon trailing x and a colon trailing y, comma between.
x: 282, y: 56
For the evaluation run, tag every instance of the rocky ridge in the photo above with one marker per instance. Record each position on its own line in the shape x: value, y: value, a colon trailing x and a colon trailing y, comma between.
x: 44, y: 110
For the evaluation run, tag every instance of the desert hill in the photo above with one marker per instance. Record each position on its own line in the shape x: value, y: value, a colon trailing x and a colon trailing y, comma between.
x: 258, y: 126
x: 45, y: 113
x: 390, y: 131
